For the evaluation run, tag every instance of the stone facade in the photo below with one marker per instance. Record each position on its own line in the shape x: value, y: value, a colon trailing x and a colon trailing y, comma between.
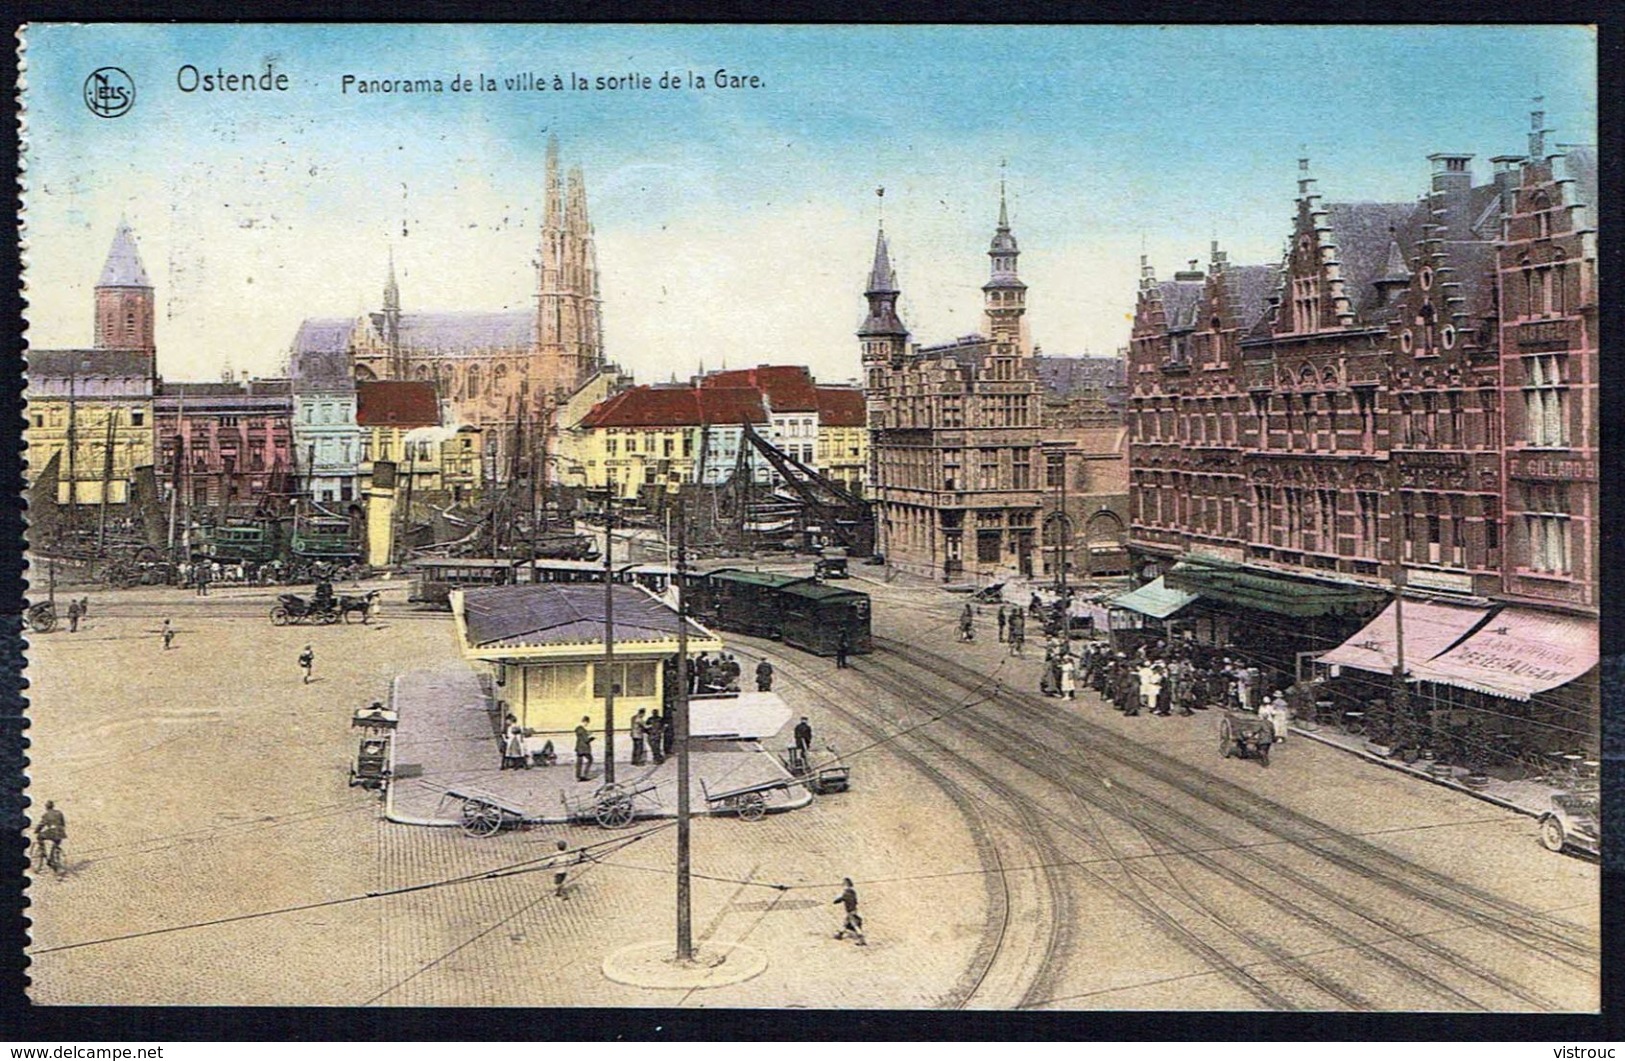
x: 954, y: 431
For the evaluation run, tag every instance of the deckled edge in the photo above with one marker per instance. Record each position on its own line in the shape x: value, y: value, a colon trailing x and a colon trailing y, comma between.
x: 18, y: 640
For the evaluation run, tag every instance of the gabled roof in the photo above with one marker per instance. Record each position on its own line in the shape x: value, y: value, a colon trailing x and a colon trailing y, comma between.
x: 396, y: 403
x: 1180, y: 300
x: 1062, y: 375
x: 647, y: 406
x: 1249, y: 288
x: 789, y: 388
x: 111, y: 364
x: 323, y: 335
x: 841, y: 407
x: 562, y: 614
x: 454, y: 333
x: 123, y: 267
x: 1362, y: 233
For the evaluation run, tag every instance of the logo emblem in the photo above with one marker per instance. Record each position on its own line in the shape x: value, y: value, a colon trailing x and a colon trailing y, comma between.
x: 109, y: 92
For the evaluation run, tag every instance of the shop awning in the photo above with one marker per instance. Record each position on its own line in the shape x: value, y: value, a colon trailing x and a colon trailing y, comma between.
x: 1429, y: 628
x: 747, y: 716
x: 1283, y: 596
x: 1517, y: 654
x: 1156, y: 599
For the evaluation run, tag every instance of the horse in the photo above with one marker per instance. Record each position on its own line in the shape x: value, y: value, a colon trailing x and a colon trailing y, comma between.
x: 349, y: 604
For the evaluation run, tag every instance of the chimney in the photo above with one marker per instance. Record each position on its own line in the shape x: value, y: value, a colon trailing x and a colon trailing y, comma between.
x: 1452, y: 188
x: 1508, y: 175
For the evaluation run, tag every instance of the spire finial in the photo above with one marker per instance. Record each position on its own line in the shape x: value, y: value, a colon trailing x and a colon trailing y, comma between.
x: 1004, y: 216
x: 880, y: 207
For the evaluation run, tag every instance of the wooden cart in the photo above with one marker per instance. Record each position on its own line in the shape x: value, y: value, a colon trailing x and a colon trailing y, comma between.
x: 833, y: 776
x: 612, y: 806
x: 1245, y: 737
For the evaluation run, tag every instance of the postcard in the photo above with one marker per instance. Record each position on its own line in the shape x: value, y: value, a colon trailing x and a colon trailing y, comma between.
x: 1067, y: 518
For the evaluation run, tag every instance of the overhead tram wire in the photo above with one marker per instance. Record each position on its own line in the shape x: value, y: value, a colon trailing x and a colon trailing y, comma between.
x: 526, y: 866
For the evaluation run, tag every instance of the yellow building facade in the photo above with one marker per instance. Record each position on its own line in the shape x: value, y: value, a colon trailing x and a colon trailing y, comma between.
x: 102, y: 400
x: 543, y: 645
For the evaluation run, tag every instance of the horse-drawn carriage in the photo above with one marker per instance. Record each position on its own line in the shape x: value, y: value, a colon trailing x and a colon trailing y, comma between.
x: 292, y: 608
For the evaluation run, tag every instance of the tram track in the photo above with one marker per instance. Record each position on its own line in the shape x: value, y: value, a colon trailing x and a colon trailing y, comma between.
x: 1509, y: 921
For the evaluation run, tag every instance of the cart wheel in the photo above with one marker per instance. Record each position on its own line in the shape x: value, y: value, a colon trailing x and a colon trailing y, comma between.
x: 279, y: 616
x: 329, y: 618
x: 45, y: 623
x: 615, y: 811
x: 351, y: 616
x: 1551, y: 833
x: 480, y: 819
x: 752, y: 806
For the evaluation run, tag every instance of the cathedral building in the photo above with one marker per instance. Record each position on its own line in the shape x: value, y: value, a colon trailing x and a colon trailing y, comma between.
x: 955, y: 430
x: 488, y: 366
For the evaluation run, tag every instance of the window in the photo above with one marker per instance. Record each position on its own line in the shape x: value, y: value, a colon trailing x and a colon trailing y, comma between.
x: 1547, y: 524
x: 1545, y: 400
x: 688, y: 445
x: 987, y: 546
x: 1366, y: 523
x: 137, y: 418
x: 666, y: 446
x: 634, y: 679
x: 988, y: 478
x: 1054, y: 464
x: 1306, y: 304
x: 612, y: 446
x: 1022, y: 470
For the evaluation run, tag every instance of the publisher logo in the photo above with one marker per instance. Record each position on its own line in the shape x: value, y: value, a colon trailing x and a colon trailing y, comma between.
x: 109, y: 92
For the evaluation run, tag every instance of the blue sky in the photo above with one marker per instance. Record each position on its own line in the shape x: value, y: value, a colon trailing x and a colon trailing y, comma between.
x: 735, y: 226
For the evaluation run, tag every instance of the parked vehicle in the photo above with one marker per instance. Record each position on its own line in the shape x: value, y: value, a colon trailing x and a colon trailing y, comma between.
x: 292, y: 608
x: 1572, y: 822
x: 798, y: 611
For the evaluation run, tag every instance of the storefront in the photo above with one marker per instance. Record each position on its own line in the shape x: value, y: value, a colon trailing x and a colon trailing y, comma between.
x: 1145, y: 613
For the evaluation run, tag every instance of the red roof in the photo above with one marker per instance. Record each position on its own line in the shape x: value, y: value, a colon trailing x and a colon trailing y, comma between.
x: 840, y: 407
x: 396, y: 403
x: 677, y: 407
x: 789, y: 388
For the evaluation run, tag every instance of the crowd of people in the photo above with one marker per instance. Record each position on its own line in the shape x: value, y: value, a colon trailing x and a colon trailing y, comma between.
x: 1169, y: 678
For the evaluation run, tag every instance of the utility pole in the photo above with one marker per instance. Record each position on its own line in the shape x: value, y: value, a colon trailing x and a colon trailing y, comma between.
x: 609, y: 637
x: 1065, y: 527
x: 534, y: 529
x: 685, y: 927
x: 73, y: 446
x: 107, y: 480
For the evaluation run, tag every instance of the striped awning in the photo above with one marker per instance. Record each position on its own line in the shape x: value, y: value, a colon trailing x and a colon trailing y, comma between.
x: 1517, y: 654
x: 1429, y: 628
x: 1156, y: 599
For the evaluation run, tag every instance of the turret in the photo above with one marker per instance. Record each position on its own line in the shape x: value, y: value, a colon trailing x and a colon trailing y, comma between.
x: 1004, y: 296
x: 884, y: 336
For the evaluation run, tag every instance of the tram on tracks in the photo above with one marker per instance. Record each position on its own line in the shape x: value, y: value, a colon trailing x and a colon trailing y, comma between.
x: 433, y: 578
x: 655, y: 578
x: 800, y: 611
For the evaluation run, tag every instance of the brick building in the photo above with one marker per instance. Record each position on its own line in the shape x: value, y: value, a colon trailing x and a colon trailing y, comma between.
x: 1406, y: 399
x: 225, y: 447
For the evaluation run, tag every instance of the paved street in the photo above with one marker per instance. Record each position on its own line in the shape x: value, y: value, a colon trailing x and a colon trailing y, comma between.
x: 1010, y: 851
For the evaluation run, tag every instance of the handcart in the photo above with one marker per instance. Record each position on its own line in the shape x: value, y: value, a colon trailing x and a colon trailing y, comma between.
x: 486, y: 815
x: 371, y: 769
x: 834, y: 776
x: 1245, y: 737
x: 612, y: 806
x: 750, y: 802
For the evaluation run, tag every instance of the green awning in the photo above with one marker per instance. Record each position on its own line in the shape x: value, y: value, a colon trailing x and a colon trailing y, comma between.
x: 1271, y: 593
x: 1156, y: 599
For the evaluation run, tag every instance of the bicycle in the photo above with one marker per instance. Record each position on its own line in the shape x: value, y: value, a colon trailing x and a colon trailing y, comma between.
x: 52, y: 858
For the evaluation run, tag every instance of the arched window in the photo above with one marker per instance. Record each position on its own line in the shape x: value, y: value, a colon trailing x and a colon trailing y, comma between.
x: 1532, y: 303
x: 1560, y: 291
x: 1542, y: 206
x: 471, y: 382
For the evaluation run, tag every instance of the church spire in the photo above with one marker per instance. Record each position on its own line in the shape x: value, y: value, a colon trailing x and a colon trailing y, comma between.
x: 882, y: 322
x: 1004, y: 296
x: 392, y: 317
x: 123, y: 267
x: 124, y: 297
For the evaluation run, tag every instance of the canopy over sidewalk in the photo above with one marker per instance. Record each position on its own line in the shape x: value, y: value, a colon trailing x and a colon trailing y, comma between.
x: 1429, y: 627
x: 1517, y: 654
x: 1156, y: 599
x: 1270, y: 593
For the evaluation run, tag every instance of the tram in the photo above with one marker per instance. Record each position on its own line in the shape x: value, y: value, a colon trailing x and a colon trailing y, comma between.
x: 801, y: 612
x: 433, y: 578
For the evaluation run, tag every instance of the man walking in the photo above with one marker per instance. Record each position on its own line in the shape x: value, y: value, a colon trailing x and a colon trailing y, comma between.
x: 967, y: 623
x: 655, y: 728
x: 764, y: 677
x: 854, y: 920
x: 168, y: 634
x: 1003, y: 621
x: 73, y: 616
x: 1018, y: 632
x: 562, y: 875
x: 843, y: 648
x: 804, y: 735
x: 307, y: 662
x: 584, y: 739
x: 640, y: 734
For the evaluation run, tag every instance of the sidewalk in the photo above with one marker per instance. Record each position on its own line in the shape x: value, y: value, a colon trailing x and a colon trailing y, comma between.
x: 1530, y: 797
x: 447, y: 730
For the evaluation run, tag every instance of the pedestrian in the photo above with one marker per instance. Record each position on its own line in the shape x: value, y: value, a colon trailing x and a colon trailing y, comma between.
x: 1069, y: 677
x: 764, y: 677
x: 1034, y: 606
x: 52, y: 829
x: 854, y: 920
x: 84, y: 607
x: 562, y: 874
x: 513, y: 746
x: 843, y: 648
x: 307, y: 662
x: 656, y: 728
x: 967, y: 623
x: 1049, y: 683
x: 1018, y: 632
x: 1150, y: 686
x: 1279, y: 716
x: 1003, y: 621
x: 804, y: 735
x: 168, y: 634
x: 1164, y: 691
x: 584, y: 739
x: 73, y: 617
x: 668, y: 735
x: 640, y: 734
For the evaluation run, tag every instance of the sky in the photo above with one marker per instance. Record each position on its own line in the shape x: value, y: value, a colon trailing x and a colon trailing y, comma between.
x: 735, y: 225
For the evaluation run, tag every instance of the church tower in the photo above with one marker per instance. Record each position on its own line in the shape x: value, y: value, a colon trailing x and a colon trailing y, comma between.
x: 569, y: 310
x: 124, y: 300
x: 1004, y: 296
x: 883, y: 334
x: 392, y: 322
